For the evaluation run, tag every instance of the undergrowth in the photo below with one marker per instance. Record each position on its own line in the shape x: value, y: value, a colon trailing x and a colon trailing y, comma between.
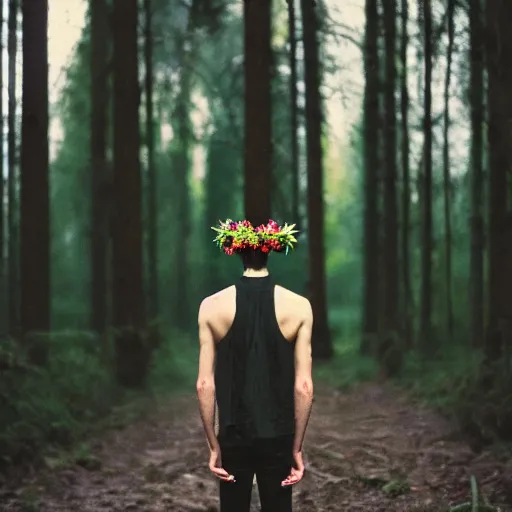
x: 46, y: 409
x: 347, y: 367
x: 477, y: 397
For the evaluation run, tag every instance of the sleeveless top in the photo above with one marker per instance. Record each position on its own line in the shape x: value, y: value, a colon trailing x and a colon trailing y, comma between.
x: 255, y: 368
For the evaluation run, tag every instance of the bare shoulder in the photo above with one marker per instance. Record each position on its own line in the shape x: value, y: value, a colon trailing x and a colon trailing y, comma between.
x: 210, y: 305
x: 298, y: 302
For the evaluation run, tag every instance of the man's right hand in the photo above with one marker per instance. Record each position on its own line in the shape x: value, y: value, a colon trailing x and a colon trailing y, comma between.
x: 216, y: 468
x: 297, y: 472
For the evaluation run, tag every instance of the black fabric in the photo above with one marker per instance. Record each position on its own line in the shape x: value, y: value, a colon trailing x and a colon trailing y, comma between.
x: 271, y: 461
x: 254, y: 374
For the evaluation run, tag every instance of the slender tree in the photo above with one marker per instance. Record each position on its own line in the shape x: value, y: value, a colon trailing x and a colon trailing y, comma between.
x: 152, y: 184
x: 426, y: 187
x: 292, y: 37
x: 182, y: 164
x: 322, y: 345
x: 35, y: 212
x: 476, y: 90
x: 3, y: 295
x: 390, y: 306
x: 446, y: 172
x: 406, y: 179
x: 499, y: 101
x: 99, y: 227
x: 132, y: 356
x: 12, y: 176
x: 370, y: 322
x: 258, y: 110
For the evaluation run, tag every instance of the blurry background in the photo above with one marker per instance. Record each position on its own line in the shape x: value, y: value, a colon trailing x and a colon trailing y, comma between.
x: 100, y: 285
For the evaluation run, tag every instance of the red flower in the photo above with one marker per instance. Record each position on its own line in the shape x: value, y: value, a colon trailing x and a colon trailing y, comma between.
x: 273, y: 227
x: 276, y: 246
x: 265, y: 249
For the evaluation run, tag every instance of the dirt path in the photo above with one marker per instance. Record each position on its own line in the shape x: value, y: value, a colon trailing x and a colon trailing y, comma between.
x: 356, y: 443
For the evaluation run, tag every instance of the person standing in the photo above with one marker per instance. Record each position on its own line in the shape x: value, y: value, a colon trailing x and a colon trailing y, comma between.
x: 255, y: 363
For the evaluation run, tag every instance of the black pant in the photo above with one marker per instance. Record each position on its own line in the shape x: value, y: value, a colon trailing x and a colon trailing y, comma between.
x: 271, y: 461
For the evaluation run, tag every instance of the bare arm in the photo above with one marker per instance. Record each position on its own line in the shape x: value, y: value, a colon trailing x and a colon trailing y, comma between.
x: 303, y: 378
x: 205, y: 379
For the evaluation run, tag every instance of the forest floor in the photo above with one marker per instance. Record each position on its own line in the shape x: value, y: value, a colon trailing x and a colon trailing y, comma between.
x: 357, y: 442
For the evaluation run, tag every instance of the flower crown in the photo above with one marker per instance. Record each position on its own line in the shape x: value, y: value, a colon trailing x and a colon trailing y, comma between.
x: 233, y: 237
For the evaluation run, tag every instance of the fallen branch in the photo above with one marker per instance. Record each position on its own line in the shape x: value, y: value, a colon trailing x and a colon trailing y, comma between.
x: 327, y: 477
x: 474, y: 505
x: 474, y: 494
x: 466, y: 507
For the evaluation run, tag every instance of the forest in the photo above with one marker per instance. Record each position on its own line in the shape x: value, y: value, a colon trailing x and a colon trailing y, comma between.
x: 381, y: 129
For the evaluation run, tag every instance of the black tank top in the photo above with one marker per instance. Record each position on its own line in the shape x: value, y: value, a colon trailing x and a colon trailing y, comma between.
x: 254, y: 372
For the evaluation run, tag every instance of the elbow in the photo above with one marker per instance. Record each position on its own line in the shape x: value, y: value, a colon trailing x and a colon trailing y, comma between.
x: 205, y: 386
x: 304, y: 387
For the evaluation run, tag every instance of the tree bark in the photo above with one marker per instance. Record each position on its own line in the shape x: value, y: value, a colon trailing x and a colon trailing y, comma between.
x: 258, y: 110
x: 476, y: 270
x: 390, y: 309
x: 99, y: 229
x: 322, y: 344
x: 132, y: 354
x: 181, y: 171
x: 389, y: 353
x: 3, y: 237
x: 406, y: 182
x: 152, y: 183
x: 426, y: 196
x: 35, y: 212
x: 371, y: 291
x: 499, y: 100
x: 292, y: 35
x: 446, y: 173
x: 12, y: 177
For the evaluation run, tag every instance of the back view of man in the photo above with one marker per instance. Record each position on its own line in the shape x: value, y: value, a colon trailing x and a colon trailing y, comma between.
x: 255, y: 362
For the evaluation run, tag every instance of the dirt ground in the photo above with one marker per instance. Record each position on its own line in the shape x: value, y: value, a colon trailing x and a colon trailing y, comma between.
x: 357, y: 443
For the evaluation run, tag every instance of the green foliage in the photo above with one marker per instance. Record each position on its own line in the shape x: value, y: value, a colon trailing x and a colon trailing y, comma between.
x: 476, y: 395
x: 174, y: 365
x: 44, y: 410
x: 53, y: 405
x: 347, y: 368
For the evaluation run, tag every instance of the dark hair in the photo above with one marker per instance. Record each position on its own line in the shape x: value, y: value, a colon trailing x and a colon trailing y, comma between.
x: 254, y: 259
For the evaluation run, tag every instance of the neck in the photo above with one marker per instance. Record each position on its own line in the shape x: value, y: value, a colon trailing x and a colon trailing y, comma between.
x: 250, y: 272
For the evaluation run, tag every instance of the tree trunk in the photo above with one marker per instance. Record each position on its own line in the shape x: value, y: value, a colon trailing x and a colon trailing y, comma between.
x: 322, y: 345
x: 371, y: 178
x: 12, y: 177
x: 3, y: 237
x: 446, y: 174
x: 258, y: 110
x: 406, y: 182
x: 99, y: 229
x: 476, y: 270
x: 35, y: 212
x: 499, y: 100
x: 150, y: 144
x: 294, y: 110
x: 426, y: 207
x: 391, y: 295
x: 132, y: 354
x: 181, y: 171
